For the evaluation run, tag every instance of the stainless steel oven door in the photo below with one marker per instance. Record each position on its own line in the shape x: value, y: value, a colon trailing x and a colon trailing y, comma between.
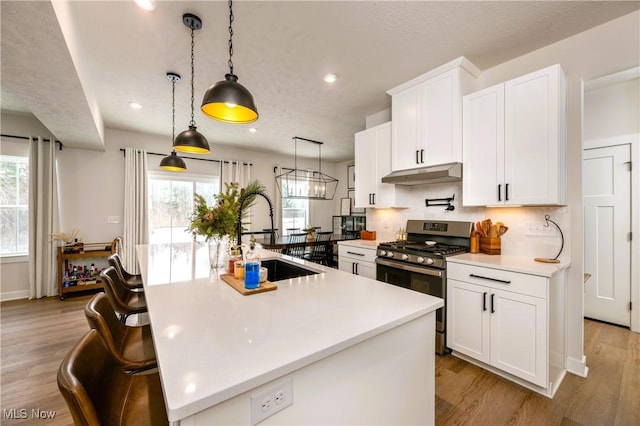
x: 418, y: 278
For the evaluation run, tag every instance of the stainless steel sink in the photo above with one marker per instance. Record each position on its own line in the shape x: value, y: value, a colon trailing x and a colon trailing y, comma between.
x: 279, y: 270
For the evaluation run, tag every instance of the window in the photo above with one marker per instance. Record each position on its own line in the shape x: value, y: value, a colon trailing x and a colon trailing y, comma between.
x: 14, y: 205
x: 171, y: 205
x: 295, y: 213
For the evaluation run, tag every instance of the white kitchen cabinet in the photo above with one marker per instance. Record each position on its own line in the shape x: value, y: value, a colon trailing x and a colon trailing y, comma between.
x: 357, y: 260
x: 514, y: 142
x: 507, y: 322
x: 373, y: 162
x: 427, y: 116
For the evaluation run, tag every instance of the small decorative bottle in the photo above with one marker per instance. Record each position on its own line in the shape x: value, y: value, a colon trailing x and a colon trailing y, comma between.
x: 474, y: 241
x: 251, y: 268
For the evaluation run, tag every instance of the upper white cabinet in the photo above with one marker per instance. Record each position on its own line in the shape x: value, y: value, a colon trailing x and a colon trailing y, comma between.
x: 426, y: 116
x: 514, y: 139
x: 373, y: 161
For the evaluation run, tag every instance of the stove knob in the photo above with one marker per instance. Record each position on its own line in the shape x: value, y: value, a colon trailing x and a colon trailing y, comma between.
x: 389, y: 254
x: 420, y: 260
x: 405, y: 256
x: 429, y: 261
x: 383, y: 253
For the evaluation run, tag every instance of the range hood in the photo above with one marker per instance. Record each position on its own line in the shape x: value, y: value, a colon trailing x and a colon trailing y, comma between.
x: 450, y: 172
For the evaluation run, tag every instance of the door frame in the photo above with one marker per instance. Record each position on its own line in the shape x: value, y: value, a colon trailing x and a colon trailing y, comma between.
x: 634, y: 141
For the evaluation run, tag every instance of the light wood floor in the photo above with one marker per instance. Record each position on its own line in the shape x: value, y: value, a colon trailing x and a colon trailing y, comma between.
x: 37, y: 334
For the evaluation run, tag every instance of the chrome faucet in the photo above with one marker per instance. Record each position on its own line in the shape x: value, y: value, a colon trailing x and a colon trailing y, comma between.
x: 242, y: 200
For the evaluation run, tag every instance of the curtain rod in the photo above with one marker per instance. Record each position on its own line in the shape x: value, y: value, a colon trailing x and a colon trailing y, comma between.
x: 191, y: 158
x: 28, y: 138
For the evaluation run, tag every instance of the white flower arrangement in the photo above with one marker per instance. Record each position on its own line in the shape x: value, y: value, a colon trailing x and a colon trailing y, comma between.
x: 64, y: 237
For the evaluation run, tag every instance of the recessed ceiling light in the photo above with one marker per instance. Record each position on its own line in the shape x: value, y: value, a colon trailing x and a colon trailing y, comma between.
x: 146, y: 4
x: 253, y: 129
x: 135, y: 105
x: 330, y: 78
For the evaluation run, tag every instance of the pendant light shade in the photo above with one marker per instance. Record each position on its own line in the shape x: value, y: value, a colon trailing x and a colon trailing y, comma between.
x: 172, y: 162
x: 191, y: 140
x: 227, y: 100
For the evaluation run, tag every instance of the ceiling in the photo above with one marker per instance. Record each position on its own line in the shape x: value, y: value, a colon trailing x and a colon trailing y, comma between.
x: 75, y: 65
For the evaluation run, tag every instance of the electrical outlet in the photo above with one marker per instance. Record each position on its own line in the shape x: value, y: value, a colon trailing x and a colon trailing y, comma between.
x: 271, y: 400
x: 540, y: 230
x: 113, y: 219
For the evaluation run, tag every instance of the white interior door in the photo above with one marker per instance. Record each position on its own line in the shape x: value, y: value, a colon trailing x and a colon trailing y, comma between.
x: 607, y: 226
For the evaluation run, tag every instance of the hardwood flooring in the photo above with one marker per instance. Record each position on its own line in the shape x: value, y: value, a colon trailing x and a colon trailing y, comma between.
x: 36, y: 334
x: 466, y: 394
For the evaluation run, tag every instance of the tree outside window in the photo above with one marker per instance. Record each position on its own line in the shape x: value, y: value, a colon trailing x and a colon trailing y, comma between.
x: 14, y: 205
x: 171, y: 205
x: 295, y: 213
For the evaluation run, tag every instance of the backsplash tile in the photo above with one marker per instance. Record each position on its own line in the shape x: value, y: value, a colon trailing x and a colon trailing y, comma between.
x: 515, y: 242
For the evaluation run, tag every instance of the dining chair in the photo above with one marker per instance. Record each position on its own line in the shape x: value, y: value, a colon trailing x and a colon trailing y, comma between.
x: 132, y: 346
x: 130, y: 280
x: 98, y: 391
x: 124, y: 300
x: 322, y: 251
x: 292, y: 230
x: 296, y: 245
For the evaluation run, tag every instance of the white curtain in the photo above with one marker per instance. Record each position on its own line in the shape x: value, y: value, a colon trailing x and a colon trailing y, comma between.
x: 234, y: 171
x: 44, y: 217
x: 135, y: 206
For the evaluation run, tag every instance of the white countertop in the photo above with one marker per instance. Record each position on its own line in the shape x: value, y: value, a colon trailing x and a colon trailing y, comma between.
x: 510, y: 263
x: 212, y: 343
x: 371, y: 244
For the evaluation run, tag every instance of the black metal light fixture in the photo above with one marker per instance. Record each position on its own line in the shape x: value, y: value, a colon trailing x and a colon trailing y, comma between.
x: 191, y: 140
x: 227, y: 100
x: 172, y: 162
x: 305, y: 183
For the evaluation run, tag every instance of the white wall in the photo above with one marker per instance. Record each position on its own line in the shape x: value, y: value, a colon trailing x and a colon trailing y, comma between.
x: 603, y: 50
x: 612, y: 110
x: 92, y: 186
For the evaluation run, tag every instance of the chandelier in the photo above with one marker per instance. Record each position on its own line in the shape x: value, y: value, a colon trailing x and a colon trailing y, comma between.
x: 306, y: 183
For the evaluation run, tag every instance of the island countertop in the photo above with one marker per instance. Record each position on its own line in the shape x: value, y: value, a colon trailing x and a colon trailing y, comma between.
x: 212, y: 343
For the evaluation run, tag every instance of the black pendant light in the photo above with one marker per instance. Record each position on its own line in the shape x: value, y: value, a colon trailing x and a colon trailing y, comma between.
x: 228, y: 100
x: 191, y: 140
x: 172, y: 162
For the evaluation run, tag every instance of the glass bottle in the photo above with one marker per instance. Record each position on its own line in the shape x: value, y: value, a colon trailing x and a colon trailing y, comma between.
x: 474, y: 240
x: 252, y: 268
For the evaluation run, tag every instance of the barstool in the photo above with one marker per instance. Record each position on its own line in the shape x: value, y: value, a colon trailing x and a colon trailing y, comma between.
x: 131, y: 346
x: 99, y: 392
x: 130, y: 280
x: 124, y: 300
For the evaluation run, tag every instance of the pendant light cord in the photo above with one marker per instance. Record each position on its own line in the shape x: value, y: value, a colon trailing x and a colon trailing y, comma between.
x: 192, y: 122
x: 230, y: 37
x: 173, y: 111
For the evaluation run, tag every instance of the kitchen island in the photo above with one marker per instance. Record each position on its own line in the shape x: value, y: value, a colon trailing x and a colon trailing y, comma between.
x: 355, y: 350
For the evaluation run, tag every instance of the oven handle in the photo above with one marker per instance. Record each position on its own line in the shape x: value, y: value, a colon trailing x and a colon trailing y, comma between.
x: 405, y: 267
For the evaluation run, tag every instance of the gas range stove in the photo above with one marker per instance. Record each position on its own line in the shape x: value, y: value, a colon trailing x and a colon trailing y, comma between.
x: 419, y: 263
x: 428, y: 243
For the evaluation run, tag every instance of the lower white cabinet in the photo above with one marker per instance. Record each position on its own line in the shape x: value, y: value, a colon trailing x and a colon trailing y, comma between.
x: 506, y: 320
x: 357, y: 260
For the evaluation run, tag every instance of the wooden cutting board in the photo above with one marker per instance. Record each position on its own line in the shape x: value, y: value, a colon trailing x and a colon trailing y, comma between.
x: 239, y: 285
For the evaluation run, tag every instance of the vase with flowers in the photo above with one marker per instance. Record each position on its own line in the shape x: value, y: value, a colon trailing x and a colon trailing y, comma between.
x: 217, y: 223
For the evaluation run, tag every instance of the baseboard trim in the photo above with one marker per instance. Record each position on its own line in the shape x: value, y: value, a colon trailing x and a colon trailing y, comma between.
x: 578, y: 366
x: 14, y: 295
